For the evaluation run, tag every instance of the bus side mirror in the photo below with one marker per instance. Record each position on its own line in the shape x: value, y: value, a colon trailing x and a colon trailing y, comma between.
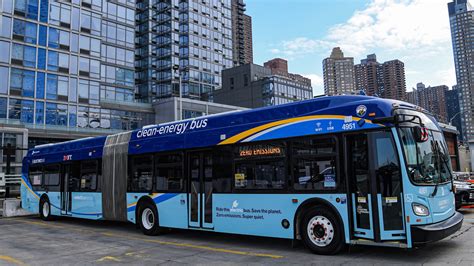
x: 420, y: 134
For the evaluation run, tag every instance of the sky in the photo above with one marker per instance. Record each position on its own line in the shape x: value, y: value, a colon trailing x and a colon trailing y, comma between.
x: 305, y: 31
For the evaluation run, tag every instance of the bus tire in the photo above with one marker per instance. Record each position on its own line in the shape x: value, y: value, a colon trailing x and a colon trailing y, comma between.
x: 45, y: 209
x: 148, y: 219
x: 322, y: 232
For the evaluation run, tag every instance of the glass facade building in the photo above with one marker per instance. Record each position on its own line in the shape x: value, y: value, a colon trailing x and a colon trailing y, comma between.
x: 62, y: 60
x: 461, y: 18
x: 194, y: 35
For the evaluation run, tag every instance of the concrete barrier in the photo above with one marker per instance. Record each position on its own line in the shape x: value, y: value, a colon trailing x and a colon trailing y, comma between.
x: 11, y: 208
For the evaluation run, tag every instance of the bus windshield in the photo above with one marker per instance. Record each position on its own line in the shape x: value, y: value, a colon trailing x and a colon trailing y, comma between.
x: 428, y: 162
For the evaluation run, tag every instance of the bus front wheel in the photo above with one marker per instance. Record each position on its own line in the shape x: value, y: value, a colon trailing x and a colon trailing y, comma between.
x: 322, y: 232
x: 45, y: 209
x: 148, y: 219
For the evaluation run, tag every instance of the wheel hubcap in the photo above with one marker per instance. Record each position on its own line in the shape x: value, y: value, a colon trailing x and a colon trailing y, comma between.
x: 148, y: 219
x: 45, y: 209
x: 320, y: 231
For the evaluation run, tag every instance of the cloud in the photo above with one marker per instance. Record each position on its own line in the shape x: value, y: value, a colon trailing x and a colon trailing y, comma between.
x: 414, y: 31
x: 418, y: 27
x: 300, y: 46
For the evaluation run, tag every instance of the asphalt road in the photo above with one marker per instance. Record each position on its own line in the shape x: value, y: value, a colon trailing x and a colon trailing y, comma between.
x: 30, y: 241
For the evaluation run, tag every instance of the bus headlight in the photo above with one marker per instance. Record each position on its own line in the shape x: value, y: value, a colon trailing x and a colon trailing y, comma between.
x: 420, y: 209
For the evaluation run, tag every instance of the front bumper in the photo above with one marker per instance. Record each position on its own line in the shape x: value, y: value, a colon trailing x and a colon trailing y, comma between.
x: 422, y: 234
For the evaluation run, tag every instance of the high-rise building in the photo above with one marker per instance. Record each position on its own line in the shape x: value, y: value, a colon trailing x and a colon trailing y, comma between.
x: 386, y: 80
x: 430, y: 98
x: 67, y: 68
x: 196, y: 35
x: 253, y: 86
x: 241, y: 34
x: 453, y: 110
x: 338, y: 72
x: 461, y: 18
x: 367, y: 77
x: 394, y: 84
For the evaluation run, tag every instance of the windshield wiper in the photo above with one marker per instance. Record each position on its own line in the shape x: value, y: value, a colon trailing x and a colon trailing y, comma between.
x: 435, y: 148
x: 445, y: 161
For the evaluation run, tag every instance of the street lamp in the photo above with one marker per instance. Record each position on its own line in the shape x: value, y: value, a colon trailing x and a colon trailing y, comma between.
x: 454, y: 116
x: 176, y: 70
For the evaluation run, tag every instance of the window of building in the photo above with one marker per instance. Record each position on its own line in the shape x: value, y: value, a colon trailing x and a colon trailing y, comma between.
x: 14, y: 109
x: 41, y: 58
x: 315, y: 164
x: 5, y: 54
x: 51, y: 114
x: 73, y: 90
x: 22, y: 82
x: 52, y: 87
x: 27, y: 111
x: 141, y: 176
x: 40, y: 83
x: 44, y: 10
x: 4, y: 80
x: 39, y: 113
x: 169, y: 172
x: 23, y: 55
x: 63, y: 87
x: 53, y: 38
x: 260, y: 166
x: 27, y: 8
x: 73, y: 116
x: 43, y: 32
x: 5, y: 27
x: 3, y: 107
x: 53, y: 60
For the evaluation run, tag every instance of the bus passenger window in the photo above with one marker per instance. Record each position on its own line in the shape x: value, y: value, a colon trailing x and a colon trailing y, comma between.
x: 36, y: 175
x: 169, y: 172
x: 141, y: 178
x: 89, y: 176
x: 222, y: 168
x: 51, y: 175
x: 260, y: 166
x: 314, y: 164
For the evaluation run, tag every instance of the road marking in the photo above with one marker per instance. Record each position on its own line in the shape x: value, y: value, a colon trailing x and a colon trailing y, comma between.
x: 194, y: 246
x: 176, y: 244
x: 11, y: 260
x: 108, y: 258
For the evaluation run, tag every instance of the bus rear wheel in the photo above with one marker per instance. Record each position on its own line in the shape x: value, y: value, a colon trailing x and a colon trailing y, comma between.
x: 322, y: 232
x: 148, y: 219
x: 45, y: 209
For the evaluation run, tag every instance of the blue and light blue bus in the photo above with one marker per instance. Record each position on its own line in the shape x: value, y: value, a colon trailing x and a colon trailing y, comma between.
x: 329, y: 171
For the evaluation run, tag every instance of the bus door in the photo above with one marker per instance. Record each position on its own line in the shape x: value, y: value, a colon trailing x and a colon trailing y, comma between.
x: 200, y: 189
x: 375, y: 186
x: 66, y: 194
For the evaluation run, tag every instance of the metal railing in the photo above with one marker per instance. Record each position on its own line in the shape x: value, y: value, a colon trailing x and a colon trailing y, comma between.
x: 11, y: 185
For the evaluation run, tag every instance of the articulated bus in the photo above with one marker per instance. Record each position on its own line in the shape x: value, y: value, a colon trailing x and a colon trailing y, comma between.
x: 329, y: 171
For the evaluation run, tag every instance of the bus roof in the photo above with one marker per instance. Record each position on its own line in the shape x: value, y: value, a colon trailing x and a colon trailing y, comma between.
x: 230, y: 127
